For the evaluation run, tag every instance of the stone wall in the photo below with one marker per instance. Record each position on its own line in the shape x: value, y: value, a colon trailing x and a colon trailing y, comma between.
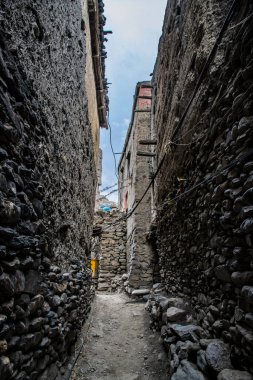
x: 109, y: 247
x: 205, y: 235
x: 47, y: 180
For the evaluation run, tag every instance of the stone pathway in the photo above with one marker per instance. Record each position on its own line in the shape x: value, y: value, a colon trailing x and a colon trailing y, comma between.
x: 119, y: 343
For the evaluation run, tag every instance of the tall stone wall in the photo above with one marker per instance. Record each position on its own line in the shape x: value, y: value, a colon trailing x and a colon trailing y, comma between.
x: 205, y: 235
x: 47, y: 182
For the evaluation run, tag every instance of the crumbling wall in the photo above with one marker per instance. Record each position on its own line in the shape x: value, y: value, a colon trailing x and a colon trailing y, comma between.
x: 110, y: 249
x: 47, y: 182
x: 205, y: 234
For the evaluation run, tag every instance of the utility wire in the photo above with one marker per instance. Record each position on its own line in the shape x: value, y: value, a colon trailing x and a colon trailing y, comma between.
x: 108, y: 187
x: 207, y: 64
x: 233, y: 163
x: 199, y: 82
x: 110, y: 138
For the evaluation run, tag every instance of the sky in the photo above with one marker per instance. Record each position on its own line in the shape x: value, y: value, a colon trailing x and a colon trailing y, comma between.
x: 131, y: 52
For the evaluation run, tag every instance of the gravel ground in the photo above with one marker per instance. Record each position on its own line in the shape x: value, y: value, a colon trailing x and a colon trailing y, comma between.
x: 119, y: 344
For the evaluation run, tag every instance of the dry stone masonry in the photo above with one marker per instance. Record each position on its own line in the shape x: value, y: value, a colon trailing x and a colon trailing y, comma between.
x: 205, y: 236
x: 110, y: 248
x: 47, y: 182
x: 192, y: 354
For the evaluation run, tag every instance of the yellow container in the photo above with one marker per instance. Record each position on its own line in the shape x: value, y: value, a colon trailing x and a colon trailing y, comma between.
x: 94, y: 267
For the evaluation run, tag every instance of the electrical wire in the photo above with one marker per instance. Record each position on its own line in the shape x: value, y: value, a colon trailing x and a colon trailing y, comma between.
x: 207, y: 65
x: 199, y: 82
x: 233, y: 163
x: 110, y: 138
x: 108, y: 187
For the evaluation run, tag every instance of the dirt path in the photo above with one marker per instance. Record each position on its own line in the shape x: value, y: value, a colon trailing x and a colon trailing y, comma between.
x: 119, y: 343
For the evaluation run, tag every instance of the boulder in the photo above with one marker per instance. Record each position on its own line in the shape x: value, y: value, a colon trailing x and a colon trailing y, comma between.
x: 218, y: 356
x: 185, y: 332
x: 187, y: 371
x: 140, y: 292
x: 176, y: 315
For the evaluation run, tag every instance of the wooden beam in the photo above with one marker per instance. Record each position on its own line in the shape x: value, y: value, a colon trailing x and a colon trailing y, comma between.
x: 148, y: 142
x: 144, y: 97
x: 147, y: 110
x: 145, y: 154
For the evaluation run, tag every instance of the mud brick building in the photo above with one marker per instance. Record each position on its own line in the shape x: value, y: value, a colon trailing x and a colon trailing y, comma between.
x: 203, y: 193
x: 134, y: 175
x: 53, y: 102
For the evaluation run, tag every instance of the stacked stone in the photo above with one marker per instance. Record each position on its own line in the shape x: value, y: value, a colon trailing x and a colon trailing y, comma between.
x: 43, y: 185
x: 191, y: 353
x: 40, y: 319
x: 205, y: 239
x: 112, y: 264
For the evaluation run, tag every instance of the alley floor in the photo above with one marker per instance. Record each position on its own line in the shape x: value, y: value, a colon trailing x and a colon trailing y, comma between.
x: 119, y: 344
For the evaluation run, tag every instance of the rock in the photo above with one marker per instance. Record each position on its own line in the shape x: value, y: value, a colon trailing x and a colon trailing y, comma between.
x: 32, y: 282
x: 201, y: 361
x: 140, y: 292
x: 222, y: 273
x: 232, y: 374
x: 247, y: 197
x: 187, y: 332
x: 20, y: 242
x: 247, y: 295
x: 19, y: 280
x: 35, y: 324
x: 12, y: 265
x: 176, y: 315
x: 3, y: 346
x: 249, y: 319
x: 247, y: 226
x: 56, y: 301
x: 37, y: 303
x: 10, y: 213
x: 177, y: 302
x: 218, y: 356
x: 7, y: 233
x: 7, y: 286
x: 242, y: 278
x: 29, y: 341
x: 5, y: 368
x: 246, y: 332
x: 187, y: 371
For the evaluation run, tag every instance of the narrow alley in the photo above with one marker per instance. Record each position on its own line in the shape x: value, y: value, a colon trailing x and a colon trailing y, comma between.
x: 119, y: 343
x: 126, y: 190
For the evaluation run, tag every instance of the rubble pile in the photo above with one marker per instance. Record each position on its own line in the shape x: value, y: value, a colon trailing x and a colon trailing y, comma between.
x: 192, y: 353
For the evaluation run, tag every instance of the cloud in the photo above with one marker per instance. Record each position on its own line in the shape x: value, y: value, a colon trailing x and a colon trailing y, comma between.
x: 132, y: 50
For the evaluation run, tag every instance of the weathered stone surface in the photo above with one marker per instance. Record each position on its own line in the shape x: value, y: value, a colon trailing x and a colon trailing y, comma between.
x: 185, y: 332
x: 140, y: 292
x: 187, y: 371
x: 231, y: 374
x: 175, y: 315
x: 218, y: 356
x: 203, y: 223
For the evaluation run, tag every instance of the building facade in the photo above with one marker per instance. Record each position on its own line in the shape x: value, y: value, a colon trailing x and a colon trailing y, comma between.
x: 134, y: 175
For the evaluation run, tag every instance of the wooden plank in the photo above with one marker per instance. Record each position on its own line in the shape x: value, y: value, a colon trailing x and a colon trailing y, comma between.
x: 148, y: 142
x: 145, y: 154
